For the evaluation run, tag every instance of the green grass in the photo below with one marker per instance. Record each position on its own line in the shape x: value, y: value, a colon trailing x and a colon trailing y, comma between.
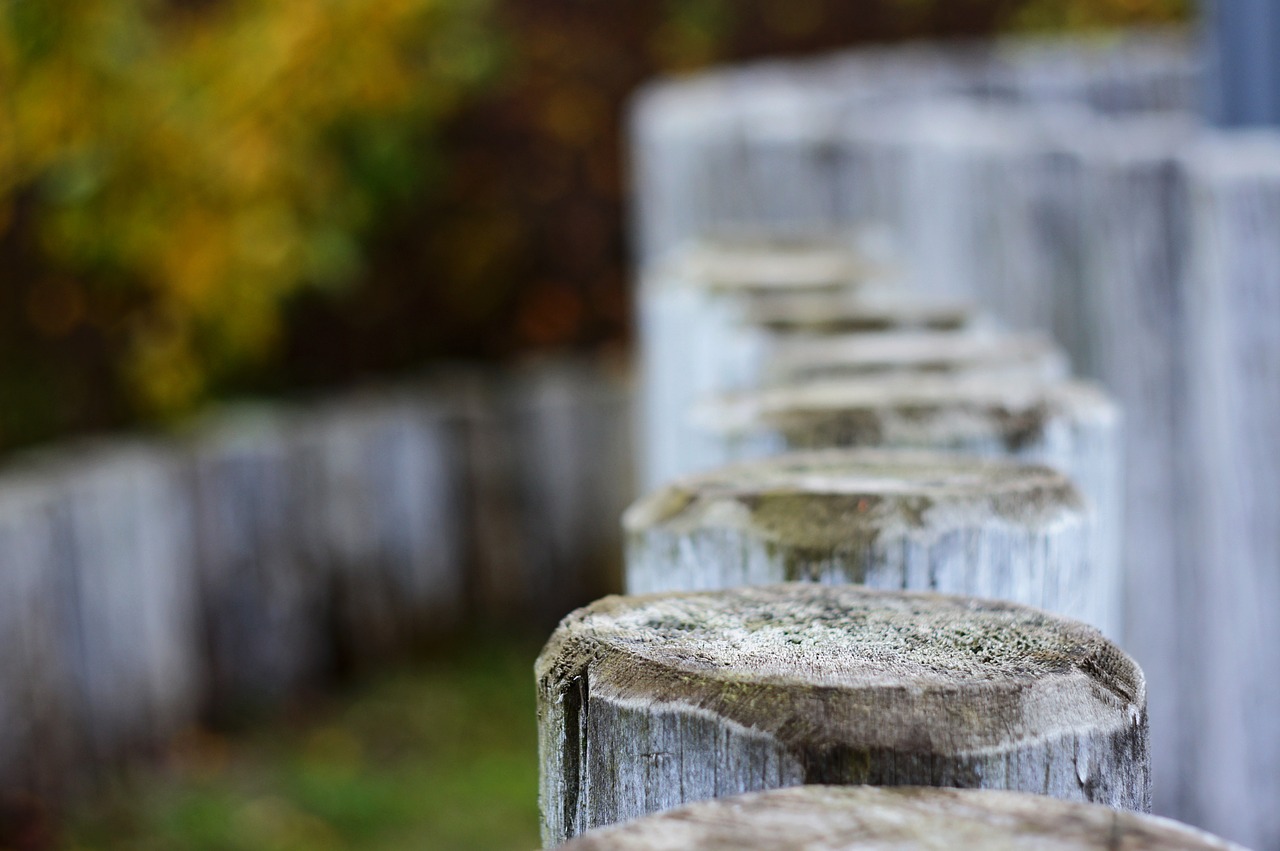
x: 438, y: 756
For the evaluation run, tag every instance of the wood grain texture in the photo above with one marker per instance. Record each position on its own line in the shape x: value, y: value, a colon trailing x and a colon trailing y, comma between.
x: 648, y: 702
x: 1234, y: 371
x: 885, y: 519
x: 836, y: 818
x: 1070, y: 426
x: 1135, y: 240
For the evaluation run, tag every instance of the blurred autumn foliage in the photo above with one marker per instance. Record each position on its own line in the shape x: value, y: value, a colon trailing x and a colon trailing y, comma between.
x: 208, y: 197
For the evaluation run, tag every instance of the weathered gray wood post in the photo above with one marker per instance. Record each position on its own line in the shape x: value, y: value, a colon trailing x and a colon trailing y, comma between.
x: 692, y: 317
x: 645, y: 703
x: 1135, y: 238
x: 1232, y: 677
x: 863, y: 310
x: 884, y: 519
x: 787, y: 358
x: 843, y: 818
x: 126, y: 529
x: 1071, y: 426
x: 41, y: 739
x: 263, y: 599
x: 386, y: 521
x: 550, y: 465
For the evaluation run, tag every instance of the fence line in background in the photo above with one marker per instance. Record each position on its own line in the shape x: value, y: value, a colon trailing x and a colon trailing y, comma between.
x: 145, y: 582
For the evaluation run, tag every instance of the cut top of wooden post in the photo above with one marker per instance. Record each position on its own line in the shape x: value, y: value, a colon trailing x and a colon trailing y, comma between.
x: 830, y: 499
x: 909, y: 410
x: 770, y: 262
x: 804, y: 357
x: 834, y: 662
x: 872, y: 308
x: 846, y: 818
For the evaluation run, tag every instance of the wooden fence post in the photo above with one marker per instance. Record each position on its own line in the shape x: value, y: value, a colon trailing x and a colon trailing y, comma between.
x: 1135, y: 241
x: 645, y: 703
x: 884, y: 519
x: 842, y: 818
x: 126, y: 531
x: 387, y: 525
x: 692, y: 321
x: 1071, y: 426
x: 41, y: 743
x: 1232, y: 676
x: 787, y: 358
x: 265, y: 600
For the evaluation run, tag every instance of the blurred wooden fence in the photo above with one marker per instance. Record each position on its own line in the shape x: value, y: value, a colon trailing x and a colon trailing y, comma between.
x: 144, y: 582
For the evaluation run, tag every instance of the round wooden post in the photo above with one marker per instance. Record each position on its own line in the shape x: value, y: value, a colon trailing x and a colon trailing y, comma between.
x: 842, y: 818
x: 805, y: 357
x: 1232, y: 594
x: 1071, y: 426
x: 692, y: 319
x: 885, y: 519
x: 645, y: 703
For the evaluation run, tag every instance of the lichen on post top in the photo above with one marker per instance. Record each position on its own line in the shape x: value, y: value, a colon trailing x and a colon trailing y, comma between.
x: 652, y: 701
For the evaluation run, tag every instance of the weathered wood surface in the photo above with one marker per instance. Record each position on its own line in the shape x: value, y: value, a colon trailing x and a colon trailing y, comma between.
x: 386, y: 519
x: 41, y: 742
x: 884, y: 519
x: 645, y: 703
x: 1071, y: 426
x: 126, y: 526
x: 692, y: 317
x: 1233, y: 685
x: 841, y: 818
x: 551, y: 470
x: 1135, y: 207
x: 786, y: 358
x: 868, y: 309
x: 264, y: 598
x: 146, y: 582
x: 768, y: 143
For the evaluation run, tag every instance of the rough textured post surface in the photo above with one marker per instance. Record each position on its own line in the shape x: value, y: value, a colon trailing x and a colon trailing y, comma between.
x: 692, y: 315
x: 1071, y: 426
x: 645, y: 703
x: 841, y: 818
x: 893, y: 520
x: 788, y: 358
x: 862, y: 310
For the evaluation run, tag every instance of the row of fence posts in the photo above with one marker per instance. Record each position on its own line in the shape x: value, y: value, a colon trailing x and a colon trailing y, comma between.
x: 149, y: 583
x: 881, y: 549
x: 1069, y: 186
